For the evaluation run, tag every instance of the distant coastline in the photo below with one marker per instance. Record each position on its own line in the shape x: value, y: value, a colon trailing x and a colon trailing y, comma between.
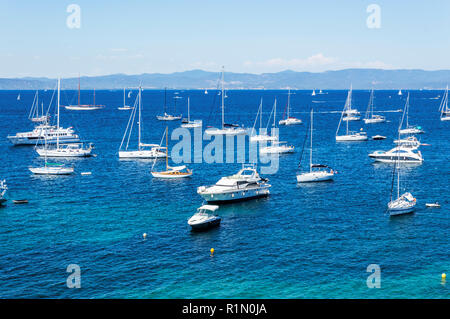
x: 199, y: 79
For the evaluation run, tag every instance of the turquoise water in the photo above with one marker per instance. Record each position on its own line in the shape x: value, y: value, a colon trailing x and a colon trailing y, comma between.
x: 308, y: 241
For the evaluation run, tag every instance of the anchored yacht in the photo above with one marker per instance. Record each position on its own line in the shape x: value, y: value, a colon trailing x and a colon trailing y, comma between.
x: 289, y: 120
x: 401, y: 154
x: 349, y: 136
x: 246, y: 184
x: 36, y: 136
x: 205, y: 218
x: 3, y: 189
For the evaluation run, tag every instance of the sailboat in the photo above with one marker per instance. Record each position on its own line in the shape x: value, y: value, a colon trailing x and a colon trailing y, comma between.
x: 187, y: 123
x: 166, y: 116
x: 313, y: 92
x: 400, y: 92
x: 83, y: 107
x: 34, y: 111
x: 63, y: 149
x: 206, y: 91
x: 276, y: 146
x: 262, y: 136
x: 371, y: 118
x: 171, y: 172
x: 227, y: 129
x: 351, y: 114
x: 317, y: 172
x: 409, y: 129
x: 349, y: 136
x: 143, y: 150
x: 125, y: 107
x: 18, y: 97
x: 52, y: 168
x: 445, y: 111
x: 403, y: 204
x: 289, y: 120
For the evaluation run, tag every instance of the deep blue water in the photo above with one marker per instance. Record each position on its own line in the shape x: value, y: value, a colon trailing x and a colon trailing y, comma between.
x: 308, y: 241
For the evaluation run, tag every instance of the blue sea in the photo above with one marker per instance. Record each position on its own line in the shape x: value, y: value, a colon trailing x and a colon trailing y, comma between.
x: 304, y: 241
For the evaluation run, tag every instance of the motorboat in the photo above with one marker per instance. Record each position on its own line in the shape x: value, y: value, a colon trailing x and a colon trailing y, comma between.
x: 370, y: 117
x: 378, y: 137
x: 205, y: 218
x: 289, y: 120
x: 317, y: 172
x: 404, y: 204
x: 166, y: 116
x: 277, y: 147
x: 349, y: 136
x: 351, y: 118
x: 66, y: 150
x: 244, y: 185
x: 410, y: 141
x: 433, y: 205
x: 408, y: 129
x: 227, y: 128
x: 36, y: 136
x: 399, y: 153
x: 187, y: 123
x: 144, y: 150
x: 171, y: 172
x: 3, y: 189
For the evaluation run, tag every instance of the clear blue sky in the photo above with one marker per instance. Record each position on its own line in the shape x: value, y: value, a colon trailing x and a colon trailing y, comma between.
x: 254, y: 36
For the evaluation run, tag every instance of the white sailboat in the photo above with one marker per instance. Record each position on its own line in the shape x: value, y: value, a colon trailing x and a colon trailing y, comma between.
x: 187, y: 123
x: 443, y: 108
x: 400, y: 92
x: 3, y: 189
x: 51, y: 168
x: 34, y: 115
x: 125, y: 107
x: 409, y: 129
x: 262, y: 136
x: 83, y: 107
x: 289, y: 120
x: 143, y: 150
x: 317, y: 172
x: 371, y: 118
x: 276, y: 146
x: 166, y: 116
x: 63, y: 149
x: 313, y: 92
x: 171, y: 172
x: 226, y: 129
x: 403, y: 204
x: 349, y: 136
x: 206, y: 91
x: 18, y: 97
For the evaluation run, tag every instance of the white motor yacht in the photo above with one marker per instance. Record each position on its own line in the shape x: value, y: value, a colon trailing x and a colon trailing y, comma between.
x: 205, y: 218
x: 400, y: 153
x: 36, y: 136
x: 410, y: 141
x: 246, y: 184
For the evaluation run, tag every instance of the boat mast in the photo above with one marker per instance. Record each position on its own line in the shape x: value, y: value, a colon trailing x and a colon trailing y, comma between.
x: 189, y: 117
x: 310, y: 151
x: 260, y: 115
x: 167, y: 148
x: 139, y: 121
x: 123, y: 97
x: 289, y: 102
x: 94, y: 96
x: 57, y: 122
x: 78, y: 89
x: 165, y: 100
x: 223, y: 99
x: 407, y: 111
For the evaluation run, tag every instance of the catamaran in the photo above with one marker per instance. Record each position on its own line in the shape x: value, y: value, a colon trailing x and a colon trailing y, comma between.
x: 227, y: 129
x: 317, y: 172
x: 187, y: 123
x: 125, y: 107
x: 171, y: 172
x: 166, y: 116
x: 443, y: 108
x: 349, y: 136
x: 34, y: 115
x: 143, y: 150
x: 289, y: 120
x: 371, y: 118
x: 403, y: 204
x: 62, y: 149
x: 83, y: 107
x: 409, y: 129
x: 262, y: 136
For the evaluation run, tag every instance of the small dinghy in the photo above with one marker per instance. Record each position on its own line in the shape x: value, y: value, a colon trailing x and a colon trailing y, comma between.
x: 86, y: 173
x: 435, y: 205
x: 20, y: 201
x: 378, y: 137
x: 204, y: 218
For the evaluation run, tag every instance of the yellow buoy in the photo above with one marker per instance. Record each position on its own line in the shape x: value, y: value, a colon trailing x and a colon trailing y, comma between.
x: 212, y: 251
x: 144, y: 235
x: 444, y: 276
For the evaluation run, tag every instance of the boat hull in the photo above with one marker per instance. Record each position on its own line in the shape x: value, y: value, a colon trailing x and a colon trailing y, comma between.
x: 235, y: 196
x: 351, y: 138
x: 51, y: 170
x: 56, y: 153
x: 374, y: 121
x: 40, y: 141
x: 315, y: 177
x: 167, y: 175
x: 206, y: 225
x: 446, y: 118
x: 396, y: 212
x: 141, y: 154
x: 83, y: 108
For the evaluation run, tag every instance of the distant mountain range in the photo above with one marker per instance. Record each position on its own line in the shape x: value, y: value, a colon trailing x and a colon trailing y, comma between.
x: 198, y: 79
